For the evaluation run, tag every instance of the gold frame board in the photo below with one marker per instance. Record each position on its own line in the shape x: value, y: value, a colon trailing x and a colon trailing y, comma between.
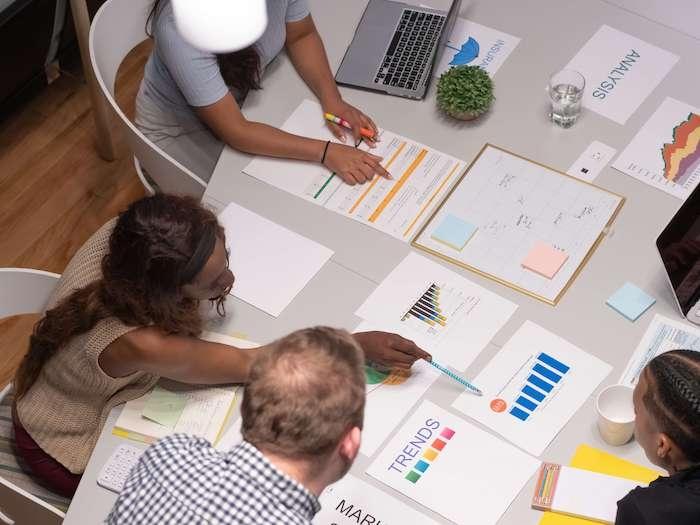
x: 416, y: 243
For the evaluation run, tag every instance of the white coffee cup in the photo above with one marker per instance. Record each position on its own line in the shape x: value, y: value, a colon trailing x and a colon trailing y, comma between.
x: 615, y: 414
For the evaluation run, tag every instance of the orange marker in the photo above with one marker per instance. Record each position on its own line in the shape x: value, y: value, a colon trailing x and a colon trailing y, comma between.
x: 366, y: 133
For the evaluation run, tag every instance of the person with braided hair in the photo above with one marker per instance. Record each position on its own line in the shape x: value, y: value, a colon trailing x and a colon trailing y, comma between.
x: 667, y: 427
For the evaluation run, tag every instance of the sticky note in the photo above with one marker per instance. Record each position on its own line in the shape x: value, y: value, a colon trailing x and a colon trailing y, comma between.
x: 164, y: 407
x: 454, y: 232
x: 544, y: 259
x: 630, y: 301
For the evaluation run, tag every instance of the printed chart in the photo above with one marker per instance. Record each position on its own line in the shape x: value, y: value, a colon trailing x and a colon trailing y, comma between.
x: 441, y: 461
x: 441, y: 311
x: 663, y: 335
x: 666, y: 152
x: 516, y: 205
x: 421, y: 177
x: 532, y: 387
x: 475, y: 45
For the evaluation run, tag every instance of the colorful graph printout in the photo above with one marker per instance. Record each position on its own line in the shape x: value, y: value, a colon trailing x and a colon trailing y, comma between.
x: 532, y: 387
x: 452, y: 467
x: 448, y: 315
x: 515, y: 203
x: 665, y: 153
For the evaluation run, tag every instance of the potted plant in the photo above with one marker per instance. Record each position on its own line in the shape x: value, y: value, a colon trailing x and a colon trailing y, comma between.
x: 465, y: 92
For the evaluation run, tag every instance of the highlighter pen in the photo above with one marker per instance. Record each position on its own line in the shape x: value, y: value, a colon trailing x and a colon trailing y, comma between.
x: 366, y: 133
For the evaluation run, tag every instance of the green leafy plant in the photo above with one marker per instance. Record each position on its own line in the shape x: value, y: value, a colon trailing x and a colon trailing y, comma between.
x: 465, y: 92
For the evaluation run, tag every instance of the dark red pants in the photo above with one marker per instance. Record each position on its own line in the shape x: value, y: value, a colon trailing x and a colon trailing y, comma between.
x: 50, y: 472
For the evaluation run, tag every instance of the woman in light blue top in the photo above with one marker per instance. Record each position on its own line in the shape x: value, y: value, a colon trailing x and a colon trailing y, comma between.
x: 189, y: 100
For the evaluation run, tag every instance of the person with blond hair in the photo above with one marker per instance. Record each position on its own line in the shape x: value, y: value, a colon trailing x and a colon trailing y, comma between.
x: 302, y: 416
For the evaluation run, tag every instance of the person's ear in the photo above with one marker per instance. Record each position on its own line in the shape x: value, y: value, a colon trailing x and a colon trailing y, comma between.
x: 664, y: 447
x: 350, y: 444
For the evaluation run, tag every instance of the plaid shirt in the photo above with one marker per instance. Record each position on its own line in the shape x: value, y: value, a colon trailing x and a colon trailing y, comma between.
x: 183, y: 479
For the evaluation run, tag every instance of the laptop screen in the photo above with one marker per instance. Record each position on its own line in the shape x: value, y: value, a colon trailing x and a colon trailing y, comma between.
x: 679, y: 246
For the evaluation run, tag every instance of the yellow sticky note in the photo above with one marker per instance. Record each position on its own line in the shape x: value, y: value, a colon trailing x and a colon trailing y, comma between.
x: 430, y: 454
x: 596, y: 460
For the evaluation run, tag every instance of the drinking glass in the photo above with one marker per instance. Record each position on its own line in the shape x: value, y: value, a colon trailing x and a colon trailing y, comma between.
x: 565, y: 92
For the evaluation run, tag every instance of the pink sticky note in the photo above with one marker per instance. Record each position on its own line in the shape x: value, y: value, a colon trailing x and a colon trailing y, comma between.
x: 544, y: 259
x: 447, y: 433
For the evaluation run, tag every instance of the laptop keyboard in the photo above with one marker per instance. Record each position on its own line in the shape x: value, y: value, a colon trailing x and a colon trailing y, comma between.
x: 410, y: 49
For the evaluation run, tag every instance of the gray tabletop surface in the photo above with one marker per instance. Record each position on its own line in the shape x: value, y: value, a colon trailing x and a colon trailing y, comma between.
x: 551, y: 33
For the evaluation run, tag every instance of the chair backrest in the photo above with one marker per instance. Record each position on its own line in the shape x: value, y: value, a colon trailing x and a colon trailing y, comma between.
x: 17, y: 506
x: 25, y: 291
x: 117, y: 28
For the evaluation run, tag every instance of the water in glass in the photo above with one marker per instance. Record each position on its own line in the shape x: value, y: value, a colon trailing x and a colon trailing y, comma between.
x: 566, y: 104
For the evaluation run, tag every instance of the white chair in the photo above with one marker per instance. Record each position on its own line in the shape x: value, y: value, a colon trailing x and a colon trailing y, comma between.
x: 24, y: 291
x: 117, y: 28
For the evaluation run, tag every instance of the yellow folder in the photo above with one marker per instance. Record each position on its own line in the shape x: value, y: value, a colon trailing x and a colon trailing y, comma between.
x: 589, y: 458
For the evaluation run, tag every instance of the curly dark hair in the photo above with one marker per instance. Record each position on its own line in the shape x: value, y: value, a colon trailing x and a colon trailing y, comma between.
x: 240, y: 69
x: 158, y: 245
x: 673, y: 398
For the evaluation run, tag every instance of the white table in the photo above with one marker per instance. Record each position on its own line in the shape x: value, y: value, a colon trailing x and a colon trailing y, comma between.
x: 551, y: 32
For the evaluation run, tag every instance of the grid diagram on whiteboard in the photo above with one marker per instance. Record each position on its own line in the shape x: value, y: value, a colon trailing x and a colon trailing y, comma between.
x: 519, y: 223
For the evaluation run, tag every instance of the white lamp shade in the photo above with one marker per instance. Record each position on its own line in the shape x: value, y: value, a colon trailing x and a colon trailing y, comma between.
x: 220, y: 26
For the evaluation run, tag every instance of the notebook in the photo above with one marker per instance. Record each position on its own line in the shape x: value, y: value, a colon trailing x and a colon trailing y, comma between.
x: 595, y: 460
x: 173, y: 407
x: 580, y: 493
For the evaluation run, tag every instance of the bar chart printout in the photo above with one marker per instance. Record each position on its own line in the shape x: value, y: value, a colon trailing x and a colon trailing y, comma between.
x: 532, y: 387
x: 440, y: 305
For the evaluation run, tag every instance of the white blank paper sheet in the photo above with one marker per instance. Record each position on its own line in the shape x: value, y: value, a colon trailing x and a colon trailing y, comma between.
x: 271, y: 263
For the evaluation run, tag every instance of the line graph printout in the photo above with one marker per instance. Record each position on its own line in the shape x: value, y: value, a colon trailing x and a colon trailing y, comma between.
x: 421, y: 177
x: 665, y: 153
x: 532, y: 387
x: 444, y: 313
x: 515, y: 204
x: 390, y: 397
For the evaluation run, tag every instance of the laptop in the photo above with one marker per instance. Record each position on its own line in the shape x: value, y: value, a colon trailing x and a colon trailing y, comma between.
x: 396, y: 45
x: 679, y: 249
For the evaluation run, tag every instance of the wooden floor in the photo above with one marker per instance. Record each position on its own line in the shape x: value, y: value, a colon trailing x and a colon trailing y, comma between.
x: 55, y: 191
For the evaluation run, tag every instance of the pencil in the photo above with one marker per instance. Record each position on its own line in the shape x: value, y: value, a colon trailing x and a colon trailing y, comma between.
x: 366, y: 133
x: 457, y: 378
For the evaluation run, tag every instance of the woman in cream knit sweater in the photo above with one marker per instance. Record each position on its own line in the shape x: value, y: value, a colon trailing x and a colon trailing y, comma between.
x: 126, y: 312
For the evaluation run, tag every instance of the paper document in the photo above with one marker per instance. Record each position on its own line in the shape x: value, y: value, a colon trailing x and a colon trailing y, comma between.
x: 351, y: 501
x: 663, y: 335
x: 532, y: 387
x: 665, y: 153
x: 452, y: 467
x: 258, y: 248
x: 390, y: 397
x: 439, y: 310
x: 421, y: 177
x: 475, y: 45
x: 620, y: 71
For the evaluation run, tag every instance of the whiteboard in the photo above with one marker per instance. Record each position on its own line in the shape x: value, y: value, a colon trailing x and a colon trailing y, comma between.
x: 514, y: 202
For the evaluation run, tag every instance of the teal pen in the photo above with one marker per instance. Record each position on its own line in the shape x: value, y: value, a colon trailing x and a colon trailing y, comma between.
x: 457, y: 378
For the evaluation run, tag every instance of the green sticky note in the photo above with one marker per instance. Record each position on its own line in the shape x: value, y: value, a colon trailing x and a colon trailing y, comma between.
x: 164, y: 406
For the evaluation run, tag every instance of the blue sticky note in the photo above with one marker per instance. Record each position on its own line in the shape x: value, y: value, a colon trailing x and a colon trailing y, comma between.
x: 454, y: 232
x: 630, y: 301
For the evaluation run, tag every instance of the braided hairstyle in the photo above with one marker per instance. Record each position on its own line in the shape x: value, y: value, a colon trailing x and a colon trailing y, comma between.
x: 673, y: 398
